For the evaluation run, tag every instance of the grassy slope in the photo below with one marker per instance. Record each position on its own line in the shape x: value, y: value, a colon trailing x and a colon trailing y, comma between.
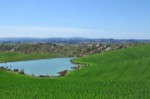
x: 14, y: 56
x: 118, y: 74
x: 127, y: 64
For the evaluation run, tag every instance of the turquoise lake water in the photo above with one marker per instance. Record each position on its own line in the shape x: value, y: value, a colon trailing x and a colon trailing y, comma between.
x: 49, y: 67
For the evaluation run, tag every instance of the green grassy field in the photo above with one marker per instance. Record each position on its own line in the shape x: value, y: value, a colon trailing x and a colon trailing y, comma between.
x: 122, y: 74
x: 15, y: 56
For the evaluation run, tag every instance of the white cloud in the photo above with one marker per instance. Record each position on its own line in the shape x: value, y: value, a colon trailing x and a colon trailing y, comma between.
x: 45, y: 32
x: 46, y: 29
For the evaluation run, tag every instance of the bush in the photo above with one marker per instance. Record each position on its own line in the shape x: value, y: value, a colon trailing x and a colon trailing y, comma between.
x: 21, y: 71
x: 62, y: 73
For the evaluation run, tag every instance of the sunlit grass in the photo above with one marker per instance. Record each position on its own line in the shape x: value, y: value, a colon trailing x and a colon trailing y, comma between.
x: 111, y: 75
x: 14, y: 56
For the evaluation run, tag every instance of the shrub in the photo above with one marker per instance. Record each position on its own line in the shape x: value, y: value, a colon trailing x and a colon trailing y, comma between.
x: 21, y: 71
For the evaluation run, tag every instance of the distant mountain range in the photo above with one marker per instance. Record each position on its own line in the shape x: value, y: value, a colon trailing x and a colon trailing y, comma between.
x: 75, y: 40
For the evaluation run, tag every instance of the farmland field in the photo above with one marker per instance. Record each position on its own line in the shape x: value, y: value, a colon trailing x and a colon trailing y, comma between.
x: 117, y: 74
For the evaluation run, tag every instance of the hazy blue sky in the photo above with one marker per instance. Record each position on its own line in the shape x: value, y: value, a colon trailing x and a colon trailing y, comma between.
x: 75, y: 18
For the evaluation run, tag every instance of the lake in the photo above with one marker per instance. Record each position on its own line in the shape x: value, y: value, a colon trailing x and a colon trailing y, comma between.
x: 41, y: 67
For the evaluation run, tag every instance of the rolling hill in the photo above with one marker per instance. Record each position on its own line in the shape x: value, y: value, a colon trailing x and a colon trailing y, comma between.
x: 117, y: 74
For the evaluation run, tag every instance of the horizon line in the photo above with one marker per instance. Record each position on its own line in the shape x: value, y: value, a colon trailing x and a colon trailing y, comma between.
x: 70, y: 38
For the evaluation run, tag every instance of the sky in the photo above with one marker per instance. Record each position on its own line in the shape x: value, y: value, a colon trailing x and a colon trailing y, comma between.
x: 119, y: 19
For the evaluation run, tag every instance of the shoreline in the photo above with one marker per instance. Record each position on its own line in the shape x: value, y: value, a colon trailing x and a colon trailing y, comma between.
x: 39, y: 76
